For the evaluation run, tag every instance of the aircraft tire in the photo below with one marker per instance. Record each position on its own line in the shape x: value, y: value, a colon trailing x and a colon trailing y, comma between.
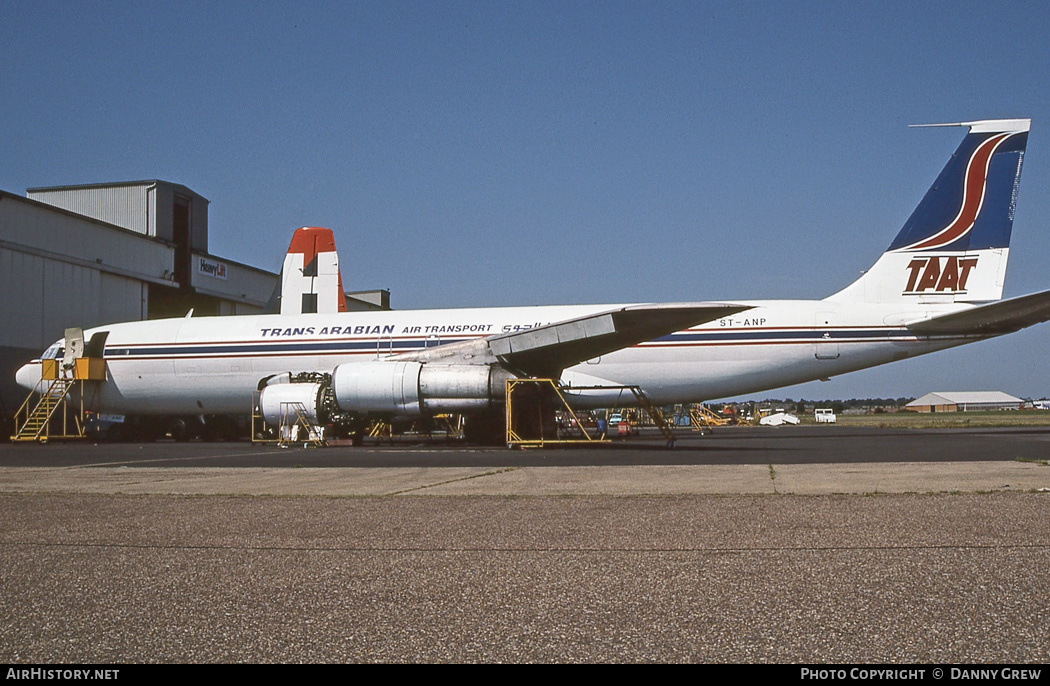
x: 489, y: 428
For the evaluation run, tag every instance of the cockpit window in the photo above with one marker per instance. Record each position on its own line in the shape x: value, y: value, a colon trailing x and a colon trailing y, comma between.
x: 54, y: 352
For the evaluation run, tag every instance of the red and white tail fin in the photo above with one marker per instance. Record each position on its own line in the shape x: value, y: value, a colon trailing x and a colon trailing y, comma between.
x: 310, y: 280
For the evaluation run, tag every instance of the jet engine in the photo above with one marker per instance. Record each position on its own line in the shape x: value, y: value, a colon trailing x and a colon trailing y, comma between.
x: 412, y: 388
x: 385, y: 389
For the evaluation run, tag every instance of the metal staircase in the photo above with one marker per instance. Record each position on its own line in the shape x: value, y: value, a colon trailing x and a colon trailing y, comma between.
x: 655, y: 414
x: 298, y: 426
x: 36, y: 425
x: 77, y: 373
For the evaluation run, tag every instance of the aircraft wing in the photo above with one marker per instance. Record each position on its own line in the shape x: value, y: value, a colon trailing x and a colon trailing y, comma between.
x: 1005, y: 316
x: 544, y: 351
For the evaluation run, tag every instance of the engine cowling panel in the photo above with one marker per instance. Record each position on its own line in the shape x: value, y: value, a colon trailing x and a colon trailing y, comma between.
x: 278, y: 401
x: 378, y: 387
x: 402, y: 388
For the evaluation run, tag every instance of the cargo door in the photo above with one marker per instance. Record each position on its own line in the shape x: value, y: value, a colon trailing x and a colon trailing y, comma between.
x: 826, y: 345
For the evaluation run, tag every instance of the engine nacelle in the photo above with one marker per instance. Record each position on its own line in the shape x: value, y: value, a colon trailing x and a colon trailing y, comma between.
x: 462, y: 388
x: 412, y: 388
x: 278, y: 401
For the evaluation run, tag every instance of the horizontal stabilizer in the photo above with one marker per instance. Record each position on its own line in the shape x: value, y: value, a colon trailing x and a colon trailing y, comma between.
x: 545, y: 351
x: 997, y: 318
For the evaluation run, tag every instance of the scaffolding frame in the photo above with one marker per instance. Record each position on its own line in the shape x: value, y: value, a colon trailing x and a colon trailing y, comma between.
x: 514, y: 439
x: 293, y: 420
x: 703, y: 418
x: 451, y: 425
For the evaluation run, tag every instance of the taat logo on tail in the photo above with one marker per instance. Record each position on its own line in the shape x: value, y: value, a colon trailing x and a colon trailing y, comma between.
x: 939, y: 274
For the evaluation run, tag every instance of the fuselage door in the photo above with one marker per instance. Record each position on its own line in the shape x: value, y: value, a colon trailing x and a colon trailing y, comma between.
x: 826, y: 346
x: 74, y: 348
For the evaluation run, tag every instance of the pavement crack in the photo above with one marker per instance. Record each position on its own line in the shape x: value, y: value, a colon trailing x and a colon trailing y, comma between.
x: 424, y: 487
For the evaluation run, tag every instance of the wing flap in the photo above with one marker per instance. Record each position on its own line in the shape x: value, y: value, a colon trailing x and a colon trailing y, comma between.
x: 552, y: 335
x: 1005, y: 316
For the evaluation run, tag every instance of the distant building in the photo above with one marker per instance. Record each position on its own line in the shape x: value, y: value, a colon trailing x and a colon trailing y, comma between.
x: 964, y: 401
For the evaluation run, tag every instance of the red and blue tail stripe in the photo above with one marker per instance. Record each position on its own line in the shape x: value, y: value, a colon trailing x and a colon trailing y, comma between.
x: 971, y: 204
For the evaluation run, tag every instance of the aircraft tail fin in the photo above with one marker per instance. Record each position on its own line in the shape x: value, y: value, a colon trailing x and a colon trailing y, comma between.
x: 954, y: 247
x: 310, y: 280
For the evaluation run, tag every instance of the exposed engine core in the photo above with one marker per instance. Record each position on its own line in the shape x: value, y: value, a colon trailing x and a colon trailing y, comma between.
x: 412, y: 388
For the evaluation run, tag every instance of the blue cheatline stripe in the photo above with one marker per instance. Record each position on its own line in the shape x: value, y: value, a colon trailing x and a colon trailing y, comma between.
x: 266, y: 347
x: 782, y: 335
x: 686, y: 338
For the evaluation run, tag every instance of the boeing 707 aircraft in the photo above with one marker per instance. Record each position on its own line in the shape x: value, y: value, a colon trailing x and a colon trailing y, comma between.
x: 938, y: 285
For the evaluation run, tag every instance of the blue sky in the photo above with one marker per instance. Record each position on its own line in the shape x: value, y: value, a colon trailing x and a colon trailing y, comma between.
x: 504, y: 153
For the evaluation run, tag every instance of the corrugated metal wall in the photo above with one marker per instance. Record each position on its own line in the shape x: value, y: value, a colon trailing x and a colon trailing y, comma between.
x: 40, y: 229
x: 43, y: 296
x: 125, y: 206
x: 142, y: 207
x: 22, y: 304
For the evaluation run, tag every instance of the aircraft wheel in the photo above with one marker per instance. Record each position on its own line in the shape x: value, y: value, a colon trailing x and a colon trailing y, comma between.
x: 116, y: 433
x: 486, y: 429
x: 182, y: 431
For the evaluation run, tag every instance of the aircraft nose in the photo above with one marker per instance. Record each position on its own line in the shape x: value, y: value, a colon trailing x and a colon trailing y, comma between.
x: 28, y: 376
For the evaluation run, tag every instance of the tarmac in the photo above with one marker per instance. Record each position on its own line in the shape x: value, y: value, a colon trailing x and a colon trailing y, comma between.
x: 510, y: 481
x: 114, y: 562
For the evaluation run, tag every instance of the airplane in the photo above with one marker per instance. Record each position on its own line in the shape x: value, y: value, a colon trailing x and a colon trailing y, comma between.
x: 938, y: 285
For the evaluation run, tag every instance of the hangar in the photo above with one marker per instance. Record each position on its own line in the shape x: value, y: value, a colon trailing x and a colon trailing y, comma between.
x: 964, y: 401
x: 95, y: 254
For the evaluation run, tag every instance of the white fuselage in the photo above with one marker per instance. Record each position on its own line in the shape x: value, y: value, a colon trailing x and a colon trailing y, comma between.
x: 211, y: 365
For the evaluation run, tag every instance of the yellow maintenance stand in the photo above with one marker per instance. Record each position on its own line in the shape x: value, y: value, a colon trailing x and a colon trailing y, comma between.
x: 530, y: 403
x: 702, y: 419
x: 294, y: 425
x: 63, y: 386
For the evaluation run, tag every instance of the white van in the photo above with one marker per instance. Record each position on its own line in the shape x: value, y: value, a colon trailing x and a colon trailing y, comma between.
x: 825, y: 415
